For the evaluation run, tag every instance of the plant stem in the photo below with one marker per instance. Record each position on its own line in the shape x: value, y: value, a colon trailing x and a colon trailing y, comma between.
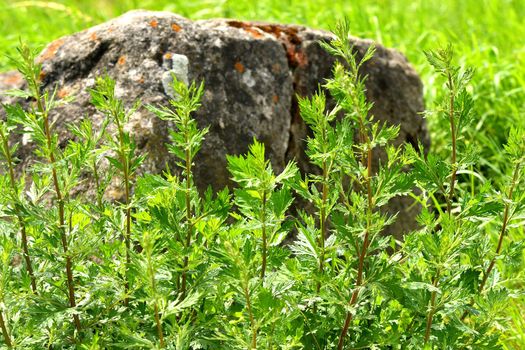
x: 506, y: 218
x: 126, y: 177
x: 503, y: 228
x: 355, y: 293
x: 366, y: 240
x: 61, y: 211
x: 322, y: 224
x: 158, y: 323
x: 250, y: 314
x: 97, y: 184
x: 449, y: 198
x: 27, y: 259
x: 23, y: 233
x: 432, y: 311
x: 5, y: 333
x: 453, y: 136
x: 322, y: 219
x: 189, y: 232
x: 128, y: 235
x: 264, y: 238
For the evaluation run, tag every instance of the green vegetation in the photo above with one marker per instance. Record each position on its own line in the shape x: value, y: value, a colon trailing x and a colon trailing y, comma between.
x: 216, y: 277
x: 210, y: 272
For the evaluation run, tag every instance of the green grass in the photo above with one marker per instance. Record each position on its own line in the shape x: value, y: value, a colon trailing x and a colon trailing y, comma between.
x: 486, y: 34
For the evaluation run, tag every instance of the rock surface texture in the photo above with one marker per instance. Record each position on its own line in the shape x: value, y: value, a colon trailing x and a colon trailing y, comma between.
x: 252, y: 73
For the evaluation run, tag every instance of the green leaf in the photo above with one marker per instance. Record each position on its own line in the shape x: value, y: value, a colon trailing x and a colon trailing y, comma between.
x: 115, y: 162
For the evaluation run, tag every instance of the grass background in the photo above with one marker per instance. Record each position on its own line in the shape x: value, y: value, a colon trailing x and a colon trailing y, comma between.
x: 486, y: 34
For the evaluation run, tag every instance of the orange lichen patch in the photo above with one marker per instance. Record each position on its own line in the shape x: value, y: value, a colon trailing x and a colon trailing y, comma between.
x: 275, y: 30
x: 93, y: 36
x: 51, y: 50
x: 239, y: 67
x: 275, y: 98
x: 253, y: 31
x: 175, y: 27
x: 296, y: 58
x: 282, y: 32
x: 121, y: 60
x: 110, y: 29
x: 141, y: 80
x: 167, y: 55
x: 287, y: 35
x: 237, y: 24
x: 62, y: 93
x: 154, y: 23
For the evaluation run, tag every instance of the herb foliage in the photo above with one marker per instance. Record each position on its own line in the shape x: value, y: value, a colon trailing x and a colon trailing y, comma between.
x: 168, y: 266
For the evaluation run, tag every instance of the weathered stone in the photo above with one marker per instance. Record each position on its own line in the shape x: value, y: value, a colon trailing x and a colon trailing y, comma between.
x: 252, y: 73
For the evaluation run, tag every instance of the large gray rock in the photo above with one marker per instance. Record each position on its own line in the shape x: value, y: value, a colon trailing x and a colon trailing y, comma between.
x: 252, y: 73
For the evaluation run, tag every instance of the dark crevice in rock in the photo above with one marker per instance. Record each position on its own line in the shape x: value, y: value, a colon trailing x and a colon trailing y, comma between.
x: 159, y: 55
x: 69, y: 70
x: 295, y: 120
x: 412, y: 141
x: 87, y: 64
x: 92, y: 60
